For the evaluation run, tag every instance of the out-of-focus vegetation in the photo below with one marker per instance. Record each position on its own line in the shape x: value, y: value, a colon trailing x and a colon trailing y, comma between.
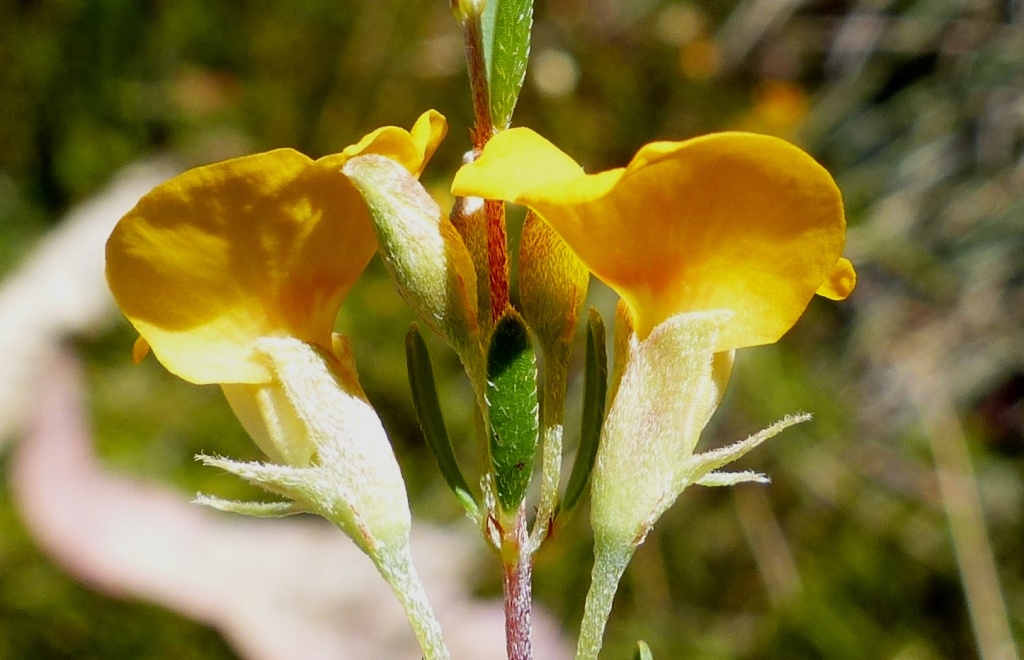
x: 916, y: 107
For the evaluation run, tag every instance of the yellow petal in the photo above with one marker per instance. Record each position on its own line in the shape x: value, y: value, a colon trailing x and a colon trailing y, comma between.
x: 264, y: 245
x: 413, y: 149
x: 840, y: 282
x: 514, y: 162
x: 729, y: 221
x: 427, y: 133
x: 260, y: 246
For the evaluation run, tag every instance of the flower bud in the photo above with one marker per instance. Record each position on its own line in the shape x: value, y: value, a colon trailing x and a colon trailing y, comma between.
x: 552, y: 285
x: 421, y: 249
x: 469, y: 216
x: 465, y: 9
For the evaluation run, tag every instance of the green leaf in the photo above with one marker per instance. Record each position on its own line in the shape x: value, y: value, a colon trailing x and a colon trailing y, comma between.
x: 506, y: 28
x: 512, y: 399
x: 643, y: 652
x: 428, y: 411
x: 595, y: 391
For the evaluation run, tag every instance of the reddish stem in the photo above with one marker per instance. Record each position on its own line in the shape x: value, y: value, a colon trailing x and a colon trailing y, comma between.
x: 518, y: 574
x: 473, y: 37
x: 497, y: 238
x: 497, y: 256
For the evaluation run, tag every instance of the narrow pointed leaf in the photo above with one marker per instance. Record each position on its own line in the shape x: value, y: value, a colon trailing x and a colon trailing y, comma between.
x: 643, y: 652
x: 512, y: 397
x: 595, y: 390
x: 506, y: 26
x: 428, y: 411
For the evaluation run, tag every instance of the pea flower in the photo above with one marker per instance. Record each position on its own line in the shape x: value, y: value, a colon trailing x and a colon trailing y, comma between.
x: 233, y: 274
x: 713, y: 244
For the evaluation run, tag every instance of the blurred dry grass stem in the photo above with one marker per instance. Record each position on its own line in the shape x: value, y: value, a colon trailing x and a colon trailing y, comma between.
x: 922, y: 375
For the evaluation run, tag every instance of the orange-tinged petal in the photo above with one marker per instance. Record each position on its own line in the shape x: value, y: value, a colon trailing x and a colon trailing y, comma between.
x: 731, y: 221
x: 263, y: 245
x: 140, y: 349
x: 840, y: 282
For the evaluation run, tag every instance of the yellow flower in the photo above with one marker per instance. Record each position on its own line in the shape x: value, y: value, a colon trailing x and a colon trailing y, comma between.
x: 213, y: 262
x: 713, y: 244
x: 730, y: 221
x: 233, y: 274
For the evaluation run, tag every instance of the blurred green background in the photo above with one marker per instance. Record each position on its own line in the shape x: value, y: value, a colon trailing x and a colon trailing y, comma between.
x: 917, y: 108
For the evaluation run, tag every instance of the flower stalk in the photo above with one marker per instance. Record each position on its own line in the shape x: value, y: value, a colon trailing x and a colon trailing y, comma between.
x: 610, y: 561
x: 395, y: 565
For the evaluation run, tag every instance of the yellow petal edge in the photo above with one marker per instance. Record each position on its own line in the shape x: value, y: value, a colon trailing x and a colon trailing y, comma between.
x: 266, y: 245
